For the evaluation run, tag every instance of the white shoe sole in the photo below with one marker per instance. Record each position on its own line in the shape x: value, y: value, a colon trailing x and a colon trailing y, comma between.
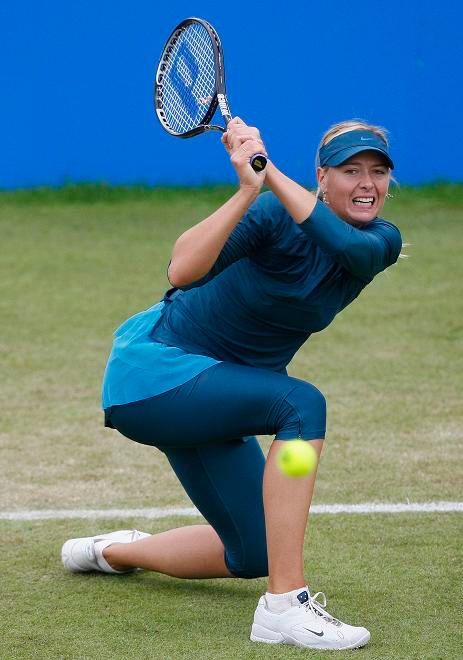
x: 267, y: 636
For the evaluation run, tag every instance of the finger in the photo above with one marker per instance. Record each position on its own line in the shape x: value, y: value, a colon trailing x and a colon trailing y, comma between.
x: 237, y: 141
x: 236, y: 121
x: 246, y: 132
x: 243, y: 135
x: 248, y: 136
x: 246, y: 151
x: 241, y: 128
x: 251, y: 147
x: 226, y: 143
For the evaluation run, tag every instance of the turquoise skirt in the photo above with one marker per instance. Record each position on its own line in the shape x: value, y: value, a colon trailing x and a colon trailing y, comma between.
x: 139, y: 367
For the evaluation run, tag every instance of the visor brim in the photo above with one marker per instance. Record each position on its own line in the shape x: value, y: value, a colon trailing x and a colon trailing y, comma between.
x: 344, y: 154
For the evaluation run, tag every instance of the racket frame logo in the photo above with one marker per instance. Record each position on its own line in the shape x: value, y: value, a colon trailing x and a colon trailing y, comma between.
x: 224, y: 107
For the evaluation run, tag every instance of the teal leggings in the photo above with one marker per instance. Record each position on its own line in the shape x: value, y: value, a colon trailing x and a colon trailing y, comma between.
x: 206, y: 429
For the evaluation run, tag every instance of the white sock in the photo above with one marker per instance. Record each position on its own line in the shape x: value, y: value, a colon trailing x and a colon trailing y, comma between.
x: 278, y: 603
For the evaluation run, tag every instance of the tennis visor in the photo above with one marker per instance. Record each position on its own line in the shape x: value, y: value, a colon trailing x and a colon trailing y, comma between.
x: 346, y: 145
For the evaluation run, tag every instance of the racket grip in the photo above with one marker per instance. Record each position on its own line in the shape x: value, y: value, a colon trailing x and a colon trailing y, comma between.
x: 258, y: 162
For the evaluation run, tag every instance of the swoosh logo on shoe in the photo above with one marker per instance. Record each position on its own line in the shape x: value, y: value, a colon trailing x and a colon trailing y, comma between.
x: 319, y: 634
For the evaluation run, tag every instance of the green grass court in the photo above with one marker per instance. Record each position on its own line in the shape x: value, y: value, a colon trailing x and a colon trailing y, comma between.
x: 75, y: 263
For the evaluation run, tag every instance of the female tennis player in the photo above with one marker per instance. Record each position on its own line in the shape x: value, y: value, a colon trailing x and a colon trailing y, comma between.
x: 202, y: 372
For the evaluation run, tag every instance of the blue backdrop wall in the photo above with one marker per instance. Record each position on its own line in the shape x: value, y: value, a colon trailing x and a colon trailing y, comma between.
x: 76, y: 84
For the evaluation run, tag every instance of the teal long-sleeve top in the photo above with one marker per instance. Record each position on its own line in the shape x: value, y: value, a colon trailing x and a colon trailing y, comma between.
x: 274, y: 283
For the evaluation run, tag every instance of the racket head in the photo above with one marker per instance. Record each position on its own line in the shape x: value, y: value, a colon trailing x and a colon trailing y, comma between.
x: 189, y: 78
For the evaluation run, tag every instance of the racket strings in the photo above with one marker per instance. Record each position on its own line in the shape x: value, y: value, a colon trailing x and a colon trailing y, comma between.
x: 188, y: 84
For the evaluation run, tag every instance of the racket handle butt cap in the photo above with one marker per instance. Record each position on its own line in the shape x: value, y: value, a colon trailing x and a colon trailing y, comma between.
x: 258, y: 162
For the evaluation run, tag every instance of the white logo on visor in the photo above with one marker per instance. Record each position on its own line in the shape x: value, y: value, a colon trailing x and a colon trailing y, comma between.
x: 364, y: 139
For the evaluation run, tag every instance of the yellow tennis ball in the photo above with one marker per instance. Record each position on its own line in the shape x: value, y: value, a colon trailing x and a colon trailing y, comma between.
x: 297, y: 458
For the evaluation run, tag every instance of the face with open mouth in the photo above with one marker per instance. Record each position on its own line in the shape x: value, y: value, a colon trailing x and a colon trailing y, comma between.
x: 356, y: 190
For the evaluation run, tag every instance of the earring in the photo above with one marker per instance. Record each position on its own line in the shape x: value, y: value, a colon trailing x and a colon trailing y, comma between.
x: 324, y: 200
x: 389, y: 196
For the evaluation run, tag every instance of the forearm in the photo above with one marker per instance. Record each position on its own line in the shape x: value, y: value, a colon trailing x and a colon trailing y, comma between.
x: 298, y: 201
x: 197, y: 249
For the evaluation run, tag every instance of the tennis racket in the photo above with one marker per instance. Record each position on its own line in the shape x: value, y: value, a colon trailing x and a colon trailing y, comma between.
x: 190, y: 83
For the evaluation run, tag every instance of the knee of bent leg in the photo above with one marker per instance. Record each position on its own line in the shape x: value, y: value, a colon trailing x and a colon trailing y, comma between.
x: 306, y: 413
x: 249, y: 563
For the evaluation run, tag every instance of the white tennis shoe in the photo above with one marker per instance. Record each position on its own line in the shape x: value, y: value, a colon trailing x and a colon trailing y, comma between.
x: 306, y: 624
x: 86, y: 554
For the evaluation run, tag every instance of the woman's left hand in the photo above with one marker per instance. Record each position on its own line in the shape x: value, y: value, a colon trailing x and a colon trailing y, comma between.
x: 237, y: 133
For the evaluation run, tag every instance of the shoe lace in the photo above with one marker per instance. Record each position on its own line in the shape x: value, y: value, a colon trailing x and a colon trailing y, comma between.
x: 318, y: 607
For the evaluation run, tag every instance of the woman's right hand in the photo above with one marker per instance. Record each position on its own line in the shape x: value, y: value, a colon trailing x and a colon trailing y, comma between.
x: 242, y: 142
